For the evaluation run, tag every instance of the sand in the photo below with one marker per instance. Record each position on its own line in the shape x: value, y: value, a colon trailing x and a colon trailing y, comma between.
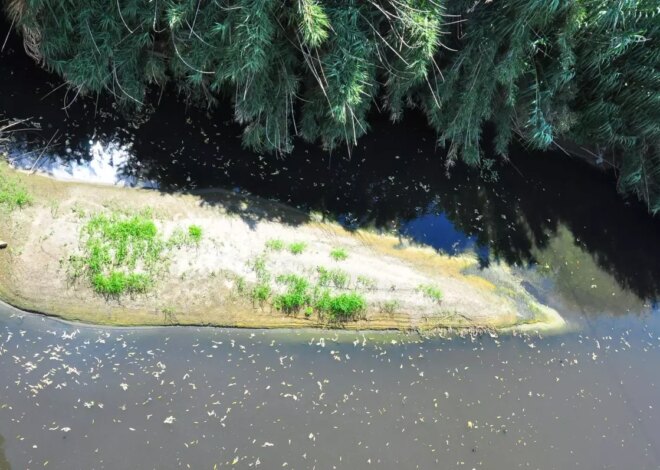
x: 199, y: 284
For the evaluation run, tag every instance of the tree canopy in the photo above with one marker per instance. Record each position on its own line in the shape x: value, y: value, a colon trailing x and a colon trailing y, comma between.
x: 544, y: 71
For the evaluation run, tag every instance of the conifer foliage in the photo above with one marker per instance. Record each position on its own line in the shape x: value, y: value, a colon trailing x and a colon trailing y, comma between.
x: 587, y: 71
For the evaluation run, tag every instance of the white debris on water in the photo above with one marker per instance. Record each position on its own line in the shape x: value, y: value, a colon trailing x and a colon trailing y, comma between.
x: 271, y: 399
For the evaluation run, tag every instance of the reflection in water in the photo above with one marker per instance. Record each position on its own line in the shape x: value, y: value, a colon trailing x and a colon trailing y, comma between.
x: 395, y: 180
x: 578, y: 282
x: 98, y: 162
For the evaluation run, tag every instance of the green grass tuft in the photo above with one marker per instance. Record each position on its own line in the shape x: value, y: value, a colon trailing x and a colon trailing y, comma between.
x: 192, y: 237
x: 340, y: 307
x: 366, y: 283
x: 240, y: 284
x: 390, y: 307
x: 297, y: 295
x: 431, y: 292
x: 261, y: 293
x: 120, y: 253
x: 117, y: 283
x: 336, y: 277
x: 275, y: 245
x: 339, y: 254
x: 13, y: 194
x: 304, y: 295
x: 260, y: 269
x: 297, y: 247
x: 195, y: 233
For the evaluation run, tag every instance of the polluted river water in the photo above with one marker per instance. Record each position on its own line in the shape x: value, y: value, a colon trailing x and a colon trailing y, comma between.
x: 76, y: 396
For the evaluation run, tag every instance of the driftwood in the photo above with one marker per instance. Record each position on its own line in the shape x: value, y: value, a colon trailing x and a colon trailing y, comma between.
x: 3, y: 244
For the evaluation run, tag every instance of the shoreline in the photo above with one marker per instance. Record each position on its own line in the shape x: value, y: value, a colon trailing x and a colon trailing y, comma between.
x: 340, y: 334
x: 42, y: 236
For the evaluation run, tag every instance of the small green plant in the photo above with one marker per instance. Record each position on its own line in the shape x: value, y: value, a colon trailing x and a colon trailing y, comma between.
x: 239, y: 284
x: 13, y: 194
x: 336, y: 277
x: 366, y: 283
x: 259, y: 266
x: 297, y: 295
x: 275, y: 244
x: 293, y: 280
x: 179, y: 238
x: 390, y: 307
x: 195, y: 234
x: 261, y: 293
x: 339, y: 254
x: 341, y: 307
x: 170, y: 314
x: 117, y: 283
x: 297, y: 247
x: 290, y: 301
x: 431, y: 292
x: 322, y: 300
x: 120, y: 253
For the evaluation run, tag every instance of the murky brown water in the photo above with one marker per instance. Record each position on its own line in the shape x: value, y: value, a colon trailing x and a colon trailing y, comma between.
x: 76, y: 397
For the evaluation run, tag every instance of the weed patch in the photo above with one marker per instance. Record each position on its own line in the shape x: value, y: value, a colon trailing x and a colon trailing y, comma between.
x: 365, y: 283
x: 335, y: 277
x: 192, y: 237
x: 195, y: 233
x: 169, y: 313
x: 341, y: 307
x: 390, y: 307
x: 116, y: 283
x: 260, y: 269
x: 261, y: 293
x: 297, y: 295
x: 297, y: 248
x: 431, y: 292
x: 13, y: 194
x: 339, y: 254
x: 120, y: 254
x: 240, y: 284
x: 275, y: 245
x: 304, y: 295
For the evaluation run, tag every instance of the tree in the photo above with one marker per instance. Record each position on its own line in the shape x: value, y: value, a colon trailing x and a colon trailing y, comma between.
x: 583, y: 70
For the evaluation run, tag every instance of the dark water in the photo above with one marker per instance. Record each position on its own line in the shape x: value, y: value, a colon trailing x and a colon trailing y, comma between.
x: 74, y: 397
x: 585, y: 399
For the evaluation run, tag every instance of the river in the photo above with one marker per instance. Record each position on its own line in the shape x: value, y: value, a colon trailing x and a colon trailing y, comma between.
x: 77, y: 397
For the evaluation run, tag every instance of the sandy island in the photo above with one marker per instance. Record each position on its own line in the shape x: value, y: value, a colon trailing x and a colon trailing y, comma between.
x: 199, y: 285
